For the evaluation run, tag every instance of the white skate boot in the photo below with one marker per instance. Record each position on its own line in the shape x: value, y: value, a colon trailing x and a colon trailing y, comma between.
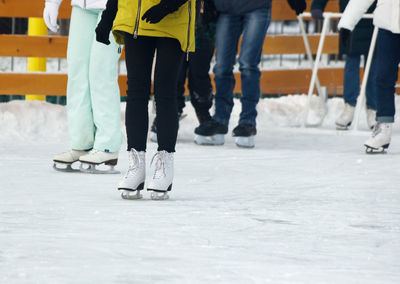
x: 346, y: 118
x: 96, y: 158
x: 133, y: 181
x: 161, y: 181
x: 63, y: 162
x: 371, y: 118
x: 380, y: 138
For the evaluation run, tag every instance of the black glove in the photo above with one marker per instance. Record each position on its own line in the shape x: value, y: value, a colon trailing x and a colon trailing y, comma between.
x: 156, y: 13
x: 317, y: 14
x: 298, y: 5
x: 345, y: 36
x: 104, y: 27
x: 103, y: 32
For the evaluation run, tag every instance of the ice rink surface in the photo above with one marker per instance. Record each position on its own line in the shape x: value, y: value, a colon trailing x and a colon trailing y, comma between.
x: 304, y: 206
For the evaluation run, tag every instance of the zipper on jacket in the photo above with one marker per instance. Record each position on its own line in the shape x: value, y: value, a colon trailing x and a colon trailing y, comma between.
x: 84, y: 4
x: 190, y: 25
x: 135, y: 32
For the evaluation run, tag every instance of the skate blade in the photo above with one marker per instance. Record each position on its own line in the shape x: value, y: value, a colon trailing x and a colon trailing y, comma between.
x: 92, y: 169
x: 131, y: 195
x: 217, y: 139
x: 372, y: 150
x: 153, y: 137
x: 159, y: 195
x: 245, y: 142
x: 66, y: 168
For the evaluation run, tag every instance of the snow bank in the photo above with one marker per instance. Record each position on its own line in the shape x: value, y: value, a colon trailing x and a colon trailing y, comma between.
x: 35, y: 120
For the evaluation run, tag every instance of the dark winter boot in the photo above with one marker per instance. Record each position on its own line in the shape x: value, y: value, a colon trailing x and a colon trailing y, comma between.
x: 210, y: 128
x: 210, y: 132
x: 244, y: 134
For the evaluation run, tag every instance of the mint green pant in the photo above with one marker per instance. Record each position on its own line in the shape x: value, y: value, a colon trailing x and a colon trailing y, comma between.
x: 93, y: 97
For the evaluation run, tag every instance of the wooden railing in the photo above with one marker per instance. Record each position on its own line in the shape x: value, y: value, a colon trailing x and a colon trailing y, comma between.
x: 272, y: 81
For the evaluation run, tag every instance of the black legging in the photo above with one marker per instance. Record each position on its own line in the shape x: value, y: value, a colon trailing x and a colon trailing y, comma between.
x: 139, y: 60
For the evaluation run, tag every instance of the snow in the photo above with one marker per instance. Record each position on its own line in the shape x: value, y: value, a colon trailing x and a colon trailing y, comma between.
x: 304, y: 206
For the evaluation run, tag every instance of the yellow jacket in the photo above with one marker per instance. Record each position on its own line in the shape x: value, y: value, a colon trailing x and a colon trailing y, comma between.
x: 179, y: 25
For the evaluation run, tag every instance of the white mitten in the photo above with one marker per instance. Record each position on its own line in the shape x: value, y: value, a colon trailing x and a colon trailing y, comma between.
x: 50, y: 15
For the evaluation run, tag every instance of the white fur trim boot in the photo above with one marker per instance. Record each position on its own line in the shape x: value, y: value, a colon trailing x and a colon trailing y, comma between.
x: 133, y: 181
x: 346, y: 117
x: 380, y: 138
x: 161, y: 181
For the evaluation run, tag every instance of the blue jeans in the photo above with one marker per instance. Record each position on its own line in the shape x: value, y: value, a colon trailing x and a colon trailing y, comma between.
x: 351, y: 84
x: 387, y: 61
x: 254, y: 27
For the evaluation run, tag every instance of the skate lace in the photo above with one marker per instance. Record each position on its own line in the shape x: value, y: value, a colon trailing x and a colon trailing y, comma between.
x: 134, y: 162
x: 377, y: 129
x: 159, y: 159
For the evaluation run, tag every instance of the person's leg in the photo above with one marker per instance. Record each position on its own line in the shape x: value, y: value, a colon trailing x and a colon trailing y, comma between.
x: 254, y: 30
x: 228, y: 32
x: 168, y: 63
x: 387, y: 60
x: 139, y: 60
x: 79, y: 107
x: 199, y: 68
x: 105, y: 95
x: 371, y: 86
x: 351, y: 80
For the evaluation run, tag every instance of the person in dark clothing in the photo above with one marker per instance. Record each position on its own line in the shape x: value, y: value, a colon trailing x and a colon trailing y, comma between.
x: 145, y: 28
x: 357, y: 46
x: 197, y: 68
x: 249, y: 19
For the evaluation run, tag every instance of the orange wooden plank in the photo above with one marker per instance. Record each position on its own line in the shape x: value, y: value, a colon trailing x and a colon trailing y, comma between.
x: 56, y: 46
x: 33, y: 46
x: 272, y: 82
x: 33, y: 83
x: 30, y: 8
x: 34, y: 8
x: 294, y: 44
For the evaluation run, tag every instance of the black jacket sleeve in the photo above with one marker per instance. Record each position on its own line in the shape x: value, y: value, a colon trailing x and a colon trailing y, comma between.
x: 109, y: 13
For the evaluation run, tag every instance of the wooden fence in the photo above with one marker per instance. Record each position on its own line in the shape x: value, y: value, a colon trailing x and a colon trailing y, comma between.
x: 272, y: 81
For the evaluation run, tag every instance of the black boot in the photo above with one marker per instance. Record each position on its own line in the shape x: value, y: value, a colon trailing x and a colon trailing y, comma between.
x: 210, y: 128
x: 244, y: 130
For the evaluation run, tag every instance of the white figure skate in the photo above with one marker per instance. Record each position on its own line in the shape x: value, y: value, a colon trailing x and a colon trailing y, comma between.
x: 380, y: 138
x: 63, y: 162
x: 346, y: 118
x: 161, y: 181
x: 133, y: 181
x: 91, y: 162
